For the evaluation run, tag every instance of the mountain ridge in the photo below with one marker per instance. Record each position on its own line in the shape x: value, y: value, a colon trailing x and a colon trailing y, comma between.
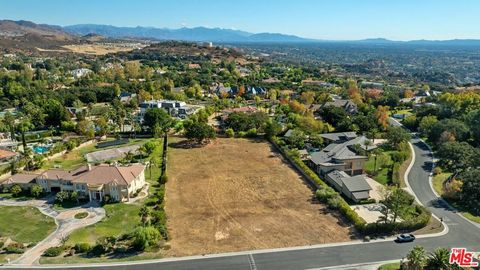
x: 200, y: 33
x: 12, y: 30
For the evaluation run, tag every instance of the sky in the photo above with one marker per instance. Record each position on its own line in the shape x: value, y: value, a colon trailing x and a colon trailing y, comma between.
x: 318, y: 19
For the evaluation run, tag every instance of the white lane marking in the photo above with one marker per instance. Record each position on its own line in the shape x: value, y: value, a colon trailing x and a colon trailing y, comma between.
x: 251, y: 261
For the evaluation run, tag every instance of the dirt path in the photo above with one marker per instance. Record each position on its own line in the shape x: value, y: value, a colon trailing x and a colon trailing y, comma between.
x: 66, y: 224
x: 236, y: 194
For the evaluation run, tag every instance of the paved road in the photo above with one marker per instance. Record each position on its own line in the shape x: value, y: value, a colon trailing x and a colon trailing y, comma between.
x: 461, y: 233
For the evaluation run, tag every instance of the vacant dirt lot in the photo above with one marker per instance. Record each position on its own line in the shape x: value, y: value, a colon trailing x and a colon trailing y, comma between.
x: 237, y: 194
x: 95, y: 49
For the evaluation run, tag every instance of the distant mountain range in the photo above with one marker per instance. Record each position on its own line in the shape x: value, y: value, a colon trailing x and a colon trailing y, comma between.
x: 187, y: 34
x: 233, y: 36
x: 28, y: 34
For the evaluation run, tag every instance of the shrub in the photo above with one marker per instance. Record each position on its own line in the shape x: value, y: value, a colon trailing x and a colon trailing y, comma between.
x: 325, y: 193
x: 81, y: 215
x: 396, y: 174
x: 1, y: 244
x: 16, y: 190
x: 163, y: 179
x: 161, y: 194
x: 144, y: 237
x: 158, y: 217
x: 230, y: 133
x: 82, y: 247
x: 54, y: 251
x: 120, y: 249
x: 437, y: 170
x: 13, y: 250
x: 62, y: 196
x: 334, y: 202
x: 252, y: 133
x: 36, y: 190
x: 97, y: 250
x: 242, y: 134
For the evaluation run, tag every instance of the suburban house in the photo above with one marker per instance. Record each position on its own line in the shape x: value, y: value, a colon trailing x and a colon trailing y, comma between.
x: 175, y: 108
x: 92, y: 182
x: 24, y: 180
x: 126, y: 97
x: 346, y: 104
x: 341, y: 154
x: 80, y: 72
x: 250, y: 91
x: 355, y: 188
x: 255, y: 91
x: 6, y: 155
x: 340, y: 164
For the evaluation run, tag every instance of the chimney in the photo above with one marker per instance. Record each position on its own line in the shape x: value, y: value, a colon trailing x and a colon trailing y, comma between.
x: 89, y: 166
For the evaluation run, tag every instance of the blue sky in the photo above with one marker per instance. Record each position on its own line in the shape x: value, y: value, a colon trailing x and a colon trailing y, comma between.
x: 320, y: 19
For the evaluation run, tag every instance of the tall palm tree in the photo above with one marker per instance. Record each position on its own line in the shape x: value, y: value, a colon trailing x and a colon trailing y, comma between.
x: 416, y: 258
x: 438, y: 260
x: 367, y: 143
x: 27, y: 158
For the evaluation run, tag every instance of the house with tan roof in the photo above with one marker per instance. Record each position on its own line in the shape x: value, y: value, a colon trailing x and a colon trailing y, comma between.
x: 24, y: 180
x: 6, y: 155
x: 96, y: 182
x: 92, y: 182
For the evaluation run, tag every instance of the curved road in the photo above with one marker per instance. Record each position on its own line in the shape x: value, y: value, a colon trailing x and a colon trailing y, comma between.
x: 462, y: 233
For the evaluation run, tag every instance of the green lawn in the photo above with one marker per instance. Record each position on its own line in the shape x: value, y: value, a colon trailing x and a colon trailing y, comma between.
x: 4, y: 257
x: 152, y: 174
x: 76, y: 157
x: 390, y: 266
x: 24, y: 224
x: 382, y: 167
x: 121, y: 218
x: 24, y: 196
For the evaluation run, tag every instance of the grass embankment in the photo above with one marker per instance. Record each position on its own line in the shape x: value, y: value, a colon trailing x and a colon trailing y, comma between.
x: 437, y: 182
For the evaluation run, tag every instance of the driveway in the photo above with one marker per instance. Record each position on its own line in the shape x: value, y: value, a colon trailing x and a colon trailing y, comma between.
x: 66, y: 224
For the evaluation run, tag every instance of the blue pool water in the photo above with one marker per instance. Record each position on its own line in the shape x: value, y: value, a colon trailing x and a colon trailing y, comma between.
x: 40, y: 149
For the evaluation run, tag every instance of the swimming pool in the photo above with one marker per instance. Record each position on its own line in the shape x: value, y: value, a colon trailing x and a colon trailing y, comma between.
x: 41, y: 149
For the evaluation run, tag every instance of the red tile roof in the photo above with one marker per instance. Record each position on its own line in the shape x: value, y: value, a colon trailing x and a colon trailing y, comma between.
x: 6, y: 154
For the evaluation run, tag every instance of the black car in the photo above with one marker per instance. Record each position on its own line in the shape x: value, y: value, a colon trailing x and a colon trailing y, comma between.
x: 403, y: 238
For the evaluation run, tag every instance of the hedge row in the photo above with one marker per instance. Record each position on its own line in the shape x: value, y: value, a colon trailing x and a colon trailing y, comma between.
x: 420, y: 221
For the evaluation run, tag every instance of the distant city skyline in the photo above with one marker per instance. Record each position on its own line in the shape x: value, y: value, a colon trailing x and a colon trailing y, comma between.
x: 323, y: 19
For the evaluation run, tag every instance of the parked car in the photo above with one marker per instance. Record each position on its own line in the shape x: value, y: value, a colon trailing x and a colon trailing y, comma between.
x: 404, y: 238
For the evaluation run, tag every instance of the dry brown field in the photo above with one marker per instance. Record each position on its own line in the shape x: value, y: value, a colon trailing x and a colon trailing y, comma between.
x: 239, y: 194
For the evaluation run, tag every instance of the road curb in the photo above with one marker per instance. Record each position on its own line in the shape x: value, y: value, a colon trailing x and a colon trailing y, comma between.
x: 430, y: 180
